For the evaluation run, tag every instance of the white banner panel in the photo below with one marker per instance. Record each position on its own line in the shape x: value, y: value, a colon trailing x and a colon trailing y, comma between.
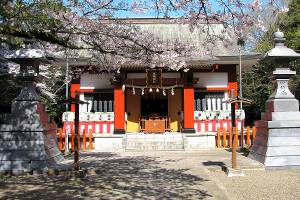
x: 95, y: 81
x: 211, y: 79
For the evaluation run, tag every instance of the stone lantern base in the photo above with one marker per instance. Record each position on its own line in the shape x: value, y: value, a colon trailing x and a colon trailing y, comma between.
x: 28, y: 143
x: 277, y: 141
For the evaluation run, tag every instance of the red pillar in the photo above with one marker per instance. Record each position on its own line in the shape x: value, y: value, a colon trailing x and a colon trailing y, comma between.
x: 119, y: 98
x: 188, y: 105
x: 74, y: 87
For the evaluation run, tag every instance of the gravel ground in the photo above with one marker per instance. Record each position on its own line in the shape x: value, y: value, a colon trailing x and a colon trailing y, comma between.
x: 156, y: 175
x: 258, y: 184
x: 39, y: 187
x: 255, y: 184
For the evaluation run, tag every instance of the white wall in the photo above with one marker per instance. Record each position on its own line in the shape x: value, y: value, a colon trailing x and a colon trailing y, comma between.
x: 171, y: 75
x: 95, y: 81
x: 211, y: 79
x: 136, y: 75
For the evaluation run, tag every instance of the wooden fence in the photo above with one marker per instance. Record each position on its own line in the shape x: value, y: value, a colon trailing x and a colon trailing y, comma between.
x: 224, y: 138
x: 85, y: 139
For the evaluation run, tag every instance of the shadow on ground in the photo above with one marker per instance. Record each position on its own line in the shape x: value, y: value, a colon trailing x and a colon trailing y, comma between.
x: 222, y: 165
x: 137, y: 177
x: 243, y: 152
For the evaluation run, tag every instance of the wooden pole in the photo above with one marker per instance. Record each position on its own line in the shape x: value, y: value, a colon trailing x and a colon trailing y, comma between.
x: 60, y: 139
x: 233, y: 125
x: 84, y: 140
x: 242, y: 135
x: 233, y: 102
x: 66, y: 140
x: 237, y: 136
x: 234, y: 149
x: 76, y: 154
x: 218, y: 137
x: 90, y: 139
x: 73, y: 146
x: 254, y: 132
x: 230, y: 137
x: 224, y: 137
x: 248, y: 136
x: 79, y: 141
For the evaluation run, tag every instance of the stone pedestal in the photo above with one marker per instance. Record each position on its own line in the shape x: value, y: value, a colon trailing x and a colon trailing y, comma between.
x: 277, y: 141
x: 28, y: 143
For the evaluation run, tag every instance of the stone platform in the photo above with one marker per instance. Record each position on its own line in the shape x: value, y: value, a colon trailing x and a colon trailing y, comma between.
x: 170, y: 141
x: 28, y: 143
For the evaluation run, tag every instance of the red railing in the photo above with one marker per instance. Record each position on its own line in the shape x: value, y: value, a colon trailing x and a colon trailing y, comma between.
x: 62, y: 140
x: 225, y: 137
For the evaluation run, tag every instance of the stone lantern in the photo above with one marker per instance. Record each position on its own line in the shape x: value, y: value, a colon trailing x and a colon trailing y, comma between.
x: 29, y: 60
x: 28, y: 141
x: 278, y: 132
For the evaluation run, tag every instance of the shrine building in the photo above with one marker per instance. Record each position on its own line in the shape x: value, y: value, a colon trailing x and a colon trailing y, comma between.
x: 160, y: 100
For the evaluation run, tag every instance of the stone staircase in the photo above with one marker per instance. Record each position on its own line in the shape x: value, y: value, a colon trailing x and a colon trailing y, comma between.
x: 154, y: 142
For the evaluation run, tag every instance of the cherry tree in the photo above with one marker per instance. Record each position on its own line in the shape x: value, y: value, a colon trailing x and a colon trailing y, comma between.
x: 102, y: 31
x: 95, y: 26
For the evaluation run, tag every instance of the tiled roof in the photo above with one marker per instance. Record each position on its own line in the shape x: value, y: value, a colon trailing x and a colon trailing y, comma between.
x: 222, y: 51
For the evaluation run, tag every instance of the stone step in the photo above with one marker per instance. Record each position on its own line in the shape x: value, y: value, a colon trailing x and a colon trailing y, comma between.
x: 158, y: 142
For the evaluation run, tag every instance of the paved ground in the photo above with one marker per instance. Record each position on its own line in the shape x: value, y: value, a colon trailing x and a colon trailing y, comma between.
x: 156, y: 175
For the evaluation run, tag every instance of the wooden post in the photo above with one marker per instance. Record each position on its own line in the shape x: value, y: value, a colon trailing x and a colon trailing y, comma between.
x: 90, y: 139
x: 248, y: 136
x: 224, y: 137
x: 234, y: 147
x: 60, y: 139
x: 242, y: 135
x: 234, y: 135
x: 233, y: 101
x: 84, y: 140
x: 66, y: 140
x: 218, y: 137
x: 72, y: 138
x: 230, y: 137
x: 254, y: 133
x: 237, y: 136
x: 79, y: 141
x: 77, y: 134
x: 75, y: 103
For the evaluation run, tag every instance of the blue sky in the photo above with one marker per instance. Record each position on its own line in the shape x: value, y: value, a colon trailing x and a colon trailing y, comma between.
x: 152, y: 13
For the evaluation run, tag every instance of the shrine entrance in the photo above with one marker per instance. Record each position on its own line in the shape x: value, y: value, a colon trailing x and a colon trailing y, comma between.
x: 150, y: 106
x: 154, y: 116
x: 155, y: 112
x: 154, y: 104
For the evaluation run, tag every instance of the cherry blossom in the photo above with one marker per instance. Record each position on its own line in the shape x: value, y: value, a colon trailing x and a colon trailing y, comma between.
x: 95, y: 27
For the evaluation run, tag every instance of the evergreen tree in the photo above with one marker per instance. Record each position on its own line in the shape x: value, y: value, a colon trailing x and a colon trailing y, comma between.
x: 291, y: 26
x: 256, y: 86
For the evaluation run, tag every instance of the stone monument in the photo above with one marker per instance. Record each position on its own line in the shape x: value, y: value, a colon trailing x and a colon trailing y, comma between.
x: 277, y: 141
x: 28, y: 142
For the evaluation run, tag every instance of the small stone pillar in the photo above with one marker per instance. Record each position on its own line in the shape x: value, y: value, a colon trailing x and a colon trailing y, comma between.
x: 276, y: 144
x: 28, y: 142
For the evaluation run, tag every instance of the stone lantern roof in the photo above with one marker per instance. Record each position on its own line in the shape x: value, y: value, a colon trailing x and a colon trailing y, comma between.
x: 280, y: 51
x: 29, y: 58
x: 29, y: 52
